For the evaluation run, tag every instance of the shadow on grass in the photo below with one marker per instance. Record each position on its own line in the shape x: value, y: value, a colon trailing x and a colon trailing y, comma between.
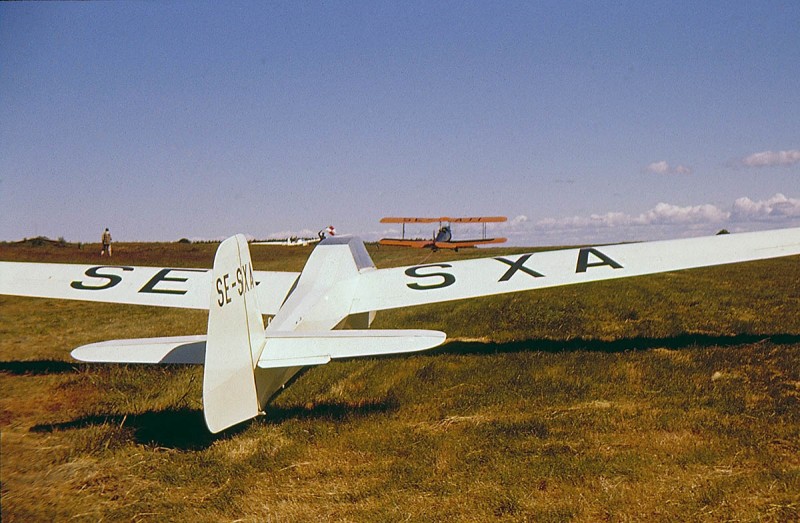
x: 185, y: 429
x: 181, y: 429
x: 332, y: 411
x: 683, y: 341
x: 37, y: 367
x: 43, y: 367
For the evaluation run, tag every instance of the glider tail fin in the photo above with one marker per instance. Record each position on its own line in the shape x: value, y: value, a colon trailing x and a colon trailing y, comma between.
x: 235, y: 339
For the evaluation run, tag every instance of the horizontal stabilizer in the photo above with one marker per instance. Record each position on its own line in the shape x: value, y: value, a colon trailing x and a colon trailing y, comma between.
x: 177, y: 349
x: 287, y: 349
x: 284, y: 349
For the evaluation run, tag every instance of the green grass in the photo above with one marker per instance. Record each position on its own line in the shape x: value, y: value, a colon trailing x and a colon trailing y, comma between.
x: 672, y: 397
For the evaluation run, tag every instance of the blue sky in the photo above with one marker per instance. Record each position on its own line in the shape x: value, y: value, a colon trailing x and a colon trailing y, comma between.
x: 581, y: 122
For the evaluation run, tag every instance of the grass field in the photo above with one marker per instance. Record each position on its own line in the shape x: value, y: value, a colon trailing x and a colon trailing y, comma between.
x: 673, y: 397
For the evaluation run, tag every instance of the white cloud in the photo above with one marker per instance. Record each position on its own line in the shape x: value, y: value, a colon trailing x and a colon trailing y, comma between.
x: 661, y: 214
x: 665, y: 213
x: 773, y: 158
x: 663, y: 221
x: 775, y: 208
x: 663, y: 167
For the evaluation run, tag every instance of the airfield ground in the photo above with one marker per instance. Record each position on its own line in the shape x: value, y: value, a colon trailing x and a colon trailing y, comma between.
x: 673, y: 397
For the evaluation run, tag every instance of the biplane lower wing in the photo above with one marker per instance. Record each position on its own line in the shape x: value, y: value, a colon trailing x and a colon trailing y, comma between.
x: 423, y: 244
x: 399, y: 242
x: 465, y: 244
x: 454, y: 280
x: 162, y: 287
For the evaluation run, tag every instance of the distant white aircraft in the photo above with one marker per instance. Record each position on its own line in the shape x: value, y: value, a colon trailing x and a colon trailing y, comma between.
x: 291, y: 241
x: 246, y: 363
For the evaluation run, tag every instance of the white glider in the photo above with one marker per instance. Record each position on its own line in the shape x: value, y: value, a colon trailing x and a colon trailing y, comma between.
x: 291, y: 241
x: 246, y: 363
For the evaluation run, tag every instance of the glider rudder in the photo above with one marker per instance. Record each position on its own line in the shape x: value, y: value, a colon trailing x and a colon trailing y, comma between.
x: 235, y: 338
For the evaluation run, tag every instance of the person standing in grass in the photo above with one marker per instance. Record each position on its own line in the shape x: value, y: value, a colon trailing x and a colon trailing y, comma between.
x: 106, y: 243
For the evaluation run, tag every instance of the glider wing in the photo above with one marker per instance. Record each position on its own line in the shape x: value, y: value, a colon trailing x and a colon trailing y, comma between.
x: 436, y: 282
x: 164, y: 287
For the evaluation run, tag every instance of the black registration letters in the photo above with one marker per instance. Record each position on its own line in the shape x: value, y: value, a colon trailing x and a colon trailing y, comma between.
x: 583, y: 260
x: 447, y: 278
x: 92, y: 272
x: 518, y: 265
x: 160, y: 276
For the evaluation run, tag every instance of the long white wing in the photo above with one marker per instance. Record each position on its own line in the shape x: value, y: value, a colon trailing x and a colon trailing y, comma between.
x: 164, y: 287
x: 403, y: 286
x: 420, y: 284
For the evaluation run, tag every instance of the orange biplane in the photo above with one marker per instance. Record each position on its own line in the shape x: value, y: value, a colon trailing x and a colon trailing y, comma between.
x: 443, y: 237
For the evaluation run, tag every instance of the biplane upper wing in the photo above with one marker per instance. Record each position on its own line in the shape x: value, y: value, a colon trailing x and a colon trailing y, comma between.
x: 164, y: 287
x: 453, y: 280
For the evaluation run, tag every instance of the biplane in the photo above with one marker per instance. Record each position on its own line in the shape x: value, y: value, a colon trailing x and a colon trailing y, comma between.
x: 325, y: 311
x: 442, y: 237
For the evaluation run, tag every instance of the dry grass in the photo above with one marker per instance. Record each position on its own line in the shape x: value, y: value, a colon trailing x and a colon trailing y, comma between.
x: 666, y: 398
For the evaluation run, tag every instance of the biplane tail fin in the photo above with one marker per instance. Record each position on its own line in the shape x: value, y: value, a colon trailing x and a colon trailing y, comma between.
x: 235, y: 339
